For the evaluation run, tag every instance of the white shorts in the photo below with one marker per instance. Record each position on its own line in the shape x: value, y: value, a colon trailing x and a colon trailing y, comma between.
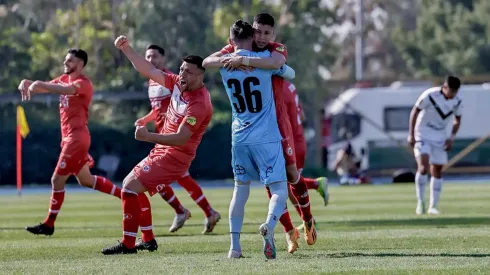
x: 435, y: 150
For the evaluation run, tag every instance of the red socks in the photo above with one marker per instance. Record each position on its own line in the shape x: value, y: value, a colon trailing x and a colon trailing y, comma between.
x: 131, y: 217
x: 311, y: 183
x: 300, y: 192
x: 196, y: 194
x: 57, y: 198
x: 145, y: 218
x: 104, y: 185
x: 168, y: 195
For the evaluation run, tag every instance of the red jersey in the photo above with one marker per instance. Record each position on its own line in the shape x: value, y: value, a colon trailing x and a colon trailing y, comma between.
x: 74, y: 108
x: 294, y: 110
x: 195, y: 110
x: 159, y: 99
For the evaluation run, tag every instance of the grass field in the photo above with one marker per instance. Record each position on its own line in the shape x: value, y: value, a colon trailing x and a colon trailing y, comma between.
x: 364, y: 230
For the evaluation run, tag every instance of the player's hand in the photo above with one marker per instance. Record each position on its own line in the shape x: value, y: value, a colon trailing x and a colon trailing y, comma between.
x: 141, y: 133
x: 245, y: 68
x: 23, y: 88
x: 140, y: 122
x: 121, y: 42
x: 411, y: 140
x: 448, y: 144
x: 232, y: 63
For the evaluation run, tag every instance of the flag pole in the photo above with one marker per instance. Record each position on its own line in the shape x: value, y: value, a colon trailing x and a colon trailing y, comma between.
x: 19, y: 156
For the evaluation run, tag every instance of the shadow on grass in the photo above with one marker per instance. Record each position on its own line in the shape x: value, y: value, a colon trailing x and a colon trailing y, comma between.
x: 394, y: 254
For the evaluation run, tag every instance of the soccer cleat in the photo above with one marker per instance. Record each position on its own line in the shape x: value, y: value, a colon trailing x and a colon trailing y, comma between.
x: 310, y: 232
x: 210, y: 222
x: 41, y: 229
x: 233, y: 254
x: 269, y: 246
x: 302, y: 226
x: 433, y: 211
x: 119, y: 248
x: 292, y: 240
x: 323, y: 189
x: 420, y: 208
x: 179, y: 220
x: 150, y: 246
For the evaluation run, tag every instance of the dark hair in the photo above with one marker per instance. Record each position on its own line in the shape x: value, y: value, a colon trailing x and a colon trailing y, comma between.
x: 194, y: 59
x: 453, y: 82
x: 264, y: 19
x: 156, y: 47
x: 241, y: 30
x: 79, y: 53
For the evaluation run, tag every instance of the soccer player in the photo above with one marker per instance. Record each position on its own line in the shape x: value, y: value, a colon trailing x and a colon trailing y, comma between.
x: 264, y: 32
x: 187, y: 118
x: 75, y: 90
x: 432, y: 112
x: 256, y: 141
x: 296, y: 117
x: 160, y: 100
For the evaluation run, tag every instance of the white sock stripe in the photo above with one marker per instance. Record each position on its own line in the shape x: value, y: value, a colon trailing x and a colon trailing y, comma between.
x: 297, y: 180
x: 146, y: 227
x: 131, y: 234
x: 305, y: 194
x: 171, y: 199
x: 129, y: 191
x: 113, y: 190
x: 58, y: 191
x: 200, y: 198
x: 95, y: 182
x: 54, y: 211
x: 306, y: 205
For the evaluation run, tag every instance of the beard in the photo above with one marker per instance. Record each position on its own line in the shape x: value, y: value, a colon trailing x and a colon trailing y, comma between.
x: 68, y: 70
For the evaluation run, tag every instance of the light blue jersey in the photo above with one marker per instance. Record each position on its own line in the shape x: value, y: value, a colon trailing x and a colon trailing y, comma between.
x: 254, y: 118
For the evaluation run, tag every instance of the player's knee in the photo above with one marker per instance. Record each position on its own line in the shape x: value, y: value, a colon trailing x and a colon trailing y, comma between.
x: 436, y: 171
x: 422, y: 169
x: 57, y: 182
x: 292, y: 174
x: 86, y: 182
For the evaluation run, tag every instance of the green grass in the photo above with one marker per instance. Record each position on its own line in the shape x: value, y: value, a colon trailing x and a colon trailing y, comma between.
x: 364, y: 230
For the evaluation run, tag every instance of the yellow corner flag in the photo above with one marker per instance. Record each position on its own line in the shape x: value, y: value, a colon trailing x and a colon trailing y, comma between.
x: 22, y: 122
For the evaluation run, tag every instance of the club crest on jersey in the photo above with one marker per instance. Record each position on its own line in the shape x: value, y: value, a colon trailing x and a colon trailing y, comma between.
x: 62, y: 164
x: 290, y: 151
x: 280, y: 49
x: 191, y: 120
x: 146, y: 168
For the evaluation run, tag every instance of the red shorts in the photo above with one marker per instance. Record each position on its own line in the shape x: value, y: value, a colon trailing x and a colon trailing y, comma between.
x: 74, y: 155
x: 287, y: 141
x: 300, y: 148
x: 157, y: 171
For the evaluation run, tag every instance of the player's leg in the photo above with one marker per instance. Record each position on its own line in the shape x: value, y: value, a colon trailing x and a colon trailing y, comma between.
x: 195, y: 191
x: 243, y: 171
x: 437, y: 160
x: 131, y: 208
x: 292, y: 234
x: 319, y: 184
x: 148, y: 241
x: 101, y: 184
x: 421, y: 152
x: 181, y: 213
x: 57, y: 197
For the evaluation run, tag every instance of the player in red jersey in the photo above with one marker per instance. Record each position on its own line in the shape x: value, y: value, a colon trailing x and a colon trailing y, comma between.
x: 264, y: 32
x: 187, y: 118
x: 75, y: 91
x: 296, y: 118
x: 160, y: 100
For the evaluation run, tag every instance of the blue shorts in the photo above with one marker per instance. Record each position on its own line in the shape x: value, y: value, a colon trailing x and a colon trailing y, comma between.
x: 264, y: 162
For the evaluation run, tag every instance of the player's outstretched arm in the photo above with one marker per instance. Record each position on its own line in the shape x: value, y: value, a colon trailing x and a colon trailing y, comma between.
x: 47, y: 87
x: 174, y: 139
x: 139, y: 63
x: 274, y: 62
x: 152, y: 115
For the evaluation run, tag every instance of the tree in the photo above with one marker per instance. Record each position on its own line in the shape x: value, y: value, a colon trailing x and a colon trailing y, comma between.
x: 449, y: 37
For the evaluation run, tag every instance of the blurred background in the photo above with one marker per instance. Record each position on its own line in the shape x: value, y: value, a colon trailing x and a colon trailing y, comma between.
x: 360, y: 65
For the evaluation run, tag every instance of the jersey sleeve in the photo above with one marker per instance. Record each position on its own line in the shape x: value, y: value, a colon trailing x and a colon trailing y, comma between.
x: 170, y: 81
x: 196, y: 115
x: 278, y: 47
x: 458, y: 110
x: 423, y: 101
x: 227, y: 49
x: 82, y: 86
